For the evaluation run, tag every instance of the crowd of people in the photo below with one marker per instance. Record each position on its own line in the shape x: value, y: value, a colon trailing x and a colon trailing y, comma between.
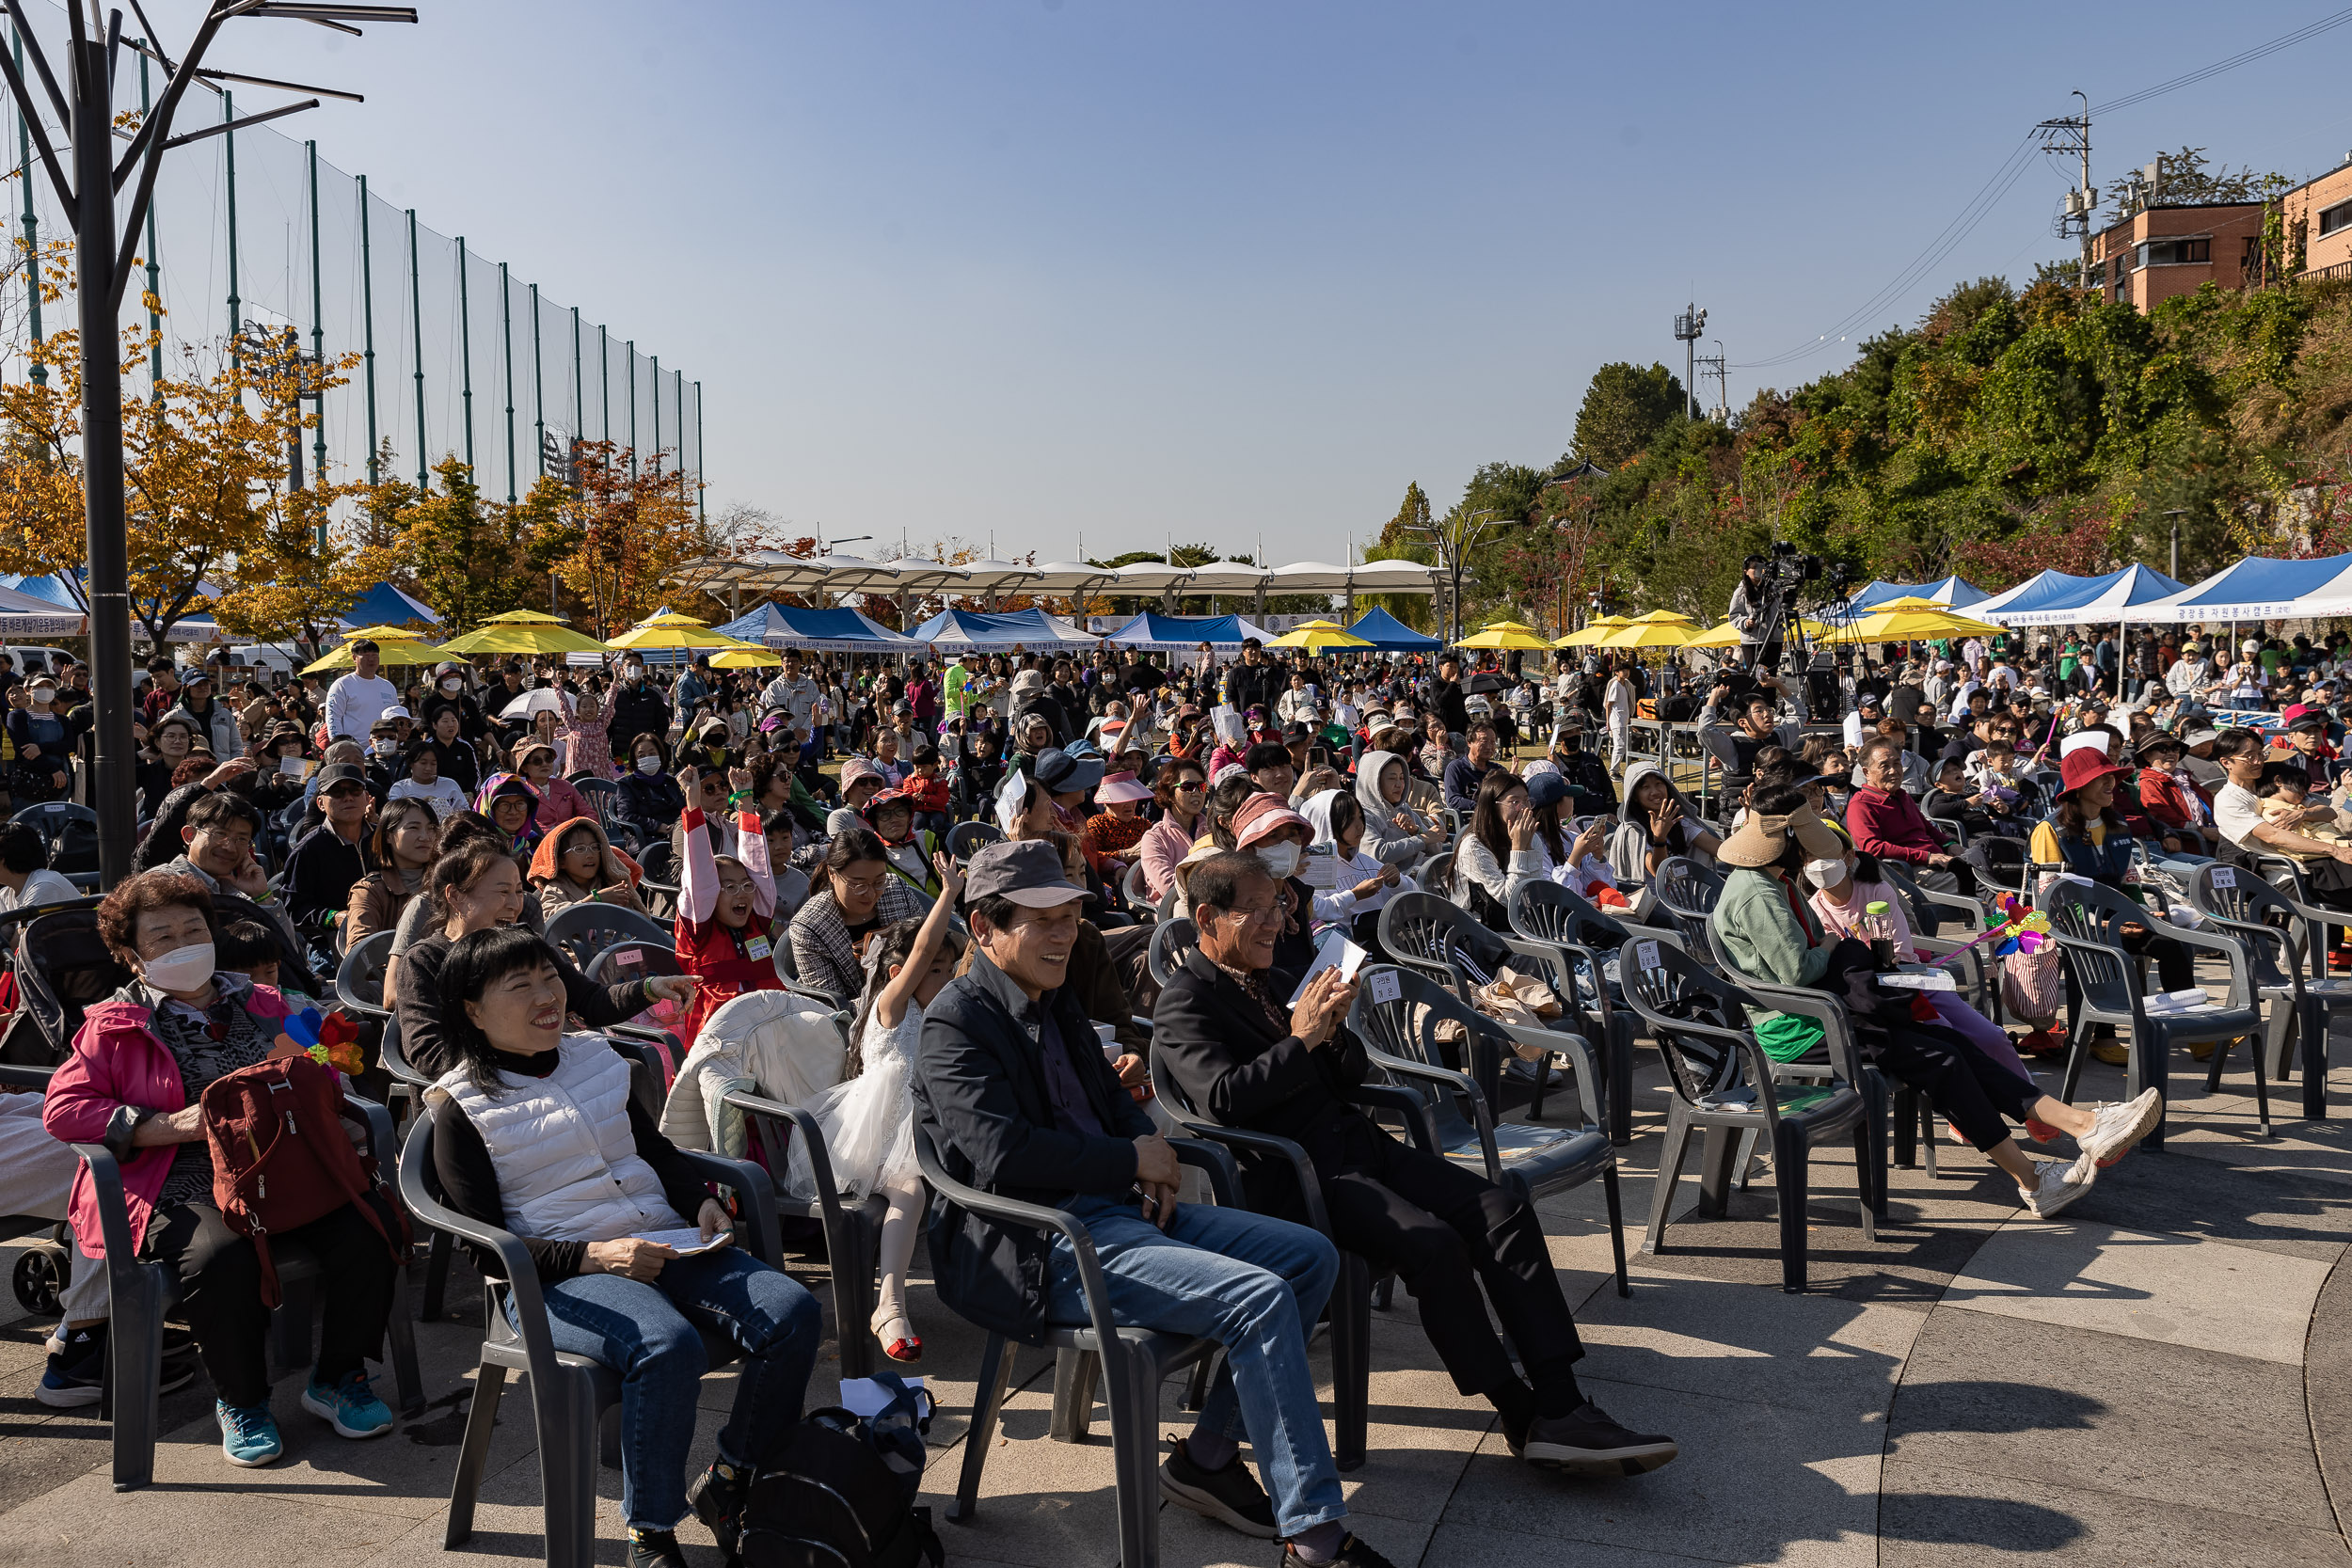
x: 792, y: 829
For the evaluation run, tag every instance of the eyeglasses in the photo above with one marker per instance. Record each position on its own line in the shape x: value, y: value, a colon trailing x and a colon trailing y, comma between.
x: 1255, y: 917
x: 867, y: 884
x: 1189, y: 787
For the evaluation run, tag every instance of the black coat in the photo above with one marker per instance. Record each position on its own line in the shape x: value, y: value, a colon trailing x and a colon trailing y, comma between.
x: 1238, y: 1069
x: 643, y: 711
x: 979, y: 1092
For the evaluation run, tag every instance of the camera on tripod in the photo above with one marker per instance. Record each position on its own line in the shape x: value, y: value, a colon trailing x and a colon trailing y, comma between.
x: 1786, y: 568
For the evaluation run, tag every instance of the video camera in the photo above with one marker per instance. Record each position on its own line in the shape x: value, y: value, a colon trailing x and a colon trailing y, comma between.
x: 1786, y: 568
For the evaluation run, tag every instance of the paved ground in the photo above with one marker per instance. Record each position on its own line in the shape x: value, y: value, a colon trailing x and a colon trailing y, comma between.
x: 2158, y: 1378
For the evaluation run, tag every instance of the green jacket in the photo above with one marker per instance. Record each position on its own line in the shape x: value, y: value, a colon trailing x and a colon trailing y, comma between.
x: 1761, y: 935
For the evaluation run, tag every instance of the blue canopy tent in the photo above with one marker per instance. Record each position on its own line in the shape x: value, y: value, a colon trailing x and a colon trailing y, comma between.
x: 837, y: 630
x: 2069, y: 601
x: 387, y: 605
x: 1030, y: 629
x: 1951, y: 592
x: 1178, y: 634
x: 1389, y: 635
x: 68, y: 597
x: 2261, y: 589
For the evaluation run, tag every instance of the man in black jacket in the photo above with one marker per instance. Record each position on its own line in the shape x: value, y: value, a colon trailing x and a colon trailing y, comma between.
x: 1011, y: 1087
x: 638, y: 709
x: 1255, y: 681
x: 1244, y: 1059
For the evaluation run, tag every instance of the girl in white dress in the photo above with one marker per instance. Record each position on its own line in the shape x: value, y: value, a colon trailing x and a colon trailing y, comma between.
x: 868, y: 1117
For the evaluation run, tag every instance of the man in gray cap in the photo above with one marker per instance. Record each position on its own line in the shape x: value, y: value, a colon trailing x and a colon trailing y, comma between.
x: 1015, y: 1094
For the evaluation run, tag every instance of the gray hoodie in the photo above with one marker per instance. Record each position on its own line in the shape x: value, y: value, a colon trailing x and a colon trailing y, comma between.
x: 1384, y: 841
x: 1629, y: 845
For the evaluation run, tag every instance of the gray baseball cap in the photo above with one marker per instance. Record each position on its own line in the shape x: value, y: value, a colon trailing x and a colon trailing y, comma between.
x: 1029, y: 872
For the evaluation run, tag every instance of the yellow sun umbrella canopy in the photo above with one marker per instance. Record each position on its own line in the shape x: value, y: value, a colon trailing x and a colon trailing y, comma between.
x: 1728, y: 635
x: 507, y: 634
x: 668, y: 630
x: 1504, y: 634
x: 1648, y: 633
x: 1316, y: 636
x: 1910, y: 620
x: 393, y: 647
x: 746, y: 658
x: 1593, y: 632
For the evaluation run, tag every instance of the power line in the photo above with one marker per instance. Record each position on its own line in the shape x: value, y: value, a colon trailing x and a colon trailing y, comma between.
x: 2010, y: 170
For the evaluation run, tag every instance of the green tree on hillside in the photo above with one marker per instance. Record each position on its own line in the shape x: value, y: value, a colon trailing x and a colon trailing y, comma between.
x: 1625, y: 408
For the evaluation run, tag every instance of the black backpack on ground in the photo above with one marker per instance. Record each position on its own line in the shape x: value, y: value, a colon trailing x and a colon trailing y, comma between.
x: 837, y: 1491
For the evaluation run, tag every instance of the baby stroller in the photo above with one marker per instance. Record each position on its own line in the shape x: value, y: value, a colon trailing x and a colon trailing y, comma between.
x: 57, y: 967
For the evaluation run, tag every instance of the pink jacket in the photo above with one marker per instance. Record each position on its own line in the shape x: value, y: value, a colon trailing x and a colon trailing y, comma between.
x: 1163, y: 849
x: 120, y: 1060
x: 560, y: 800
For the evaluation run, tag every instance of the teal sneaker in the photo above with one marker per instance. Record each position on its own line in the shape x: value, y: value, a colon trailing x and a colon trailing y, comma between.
x: 248, y: 1434
x: 351, y: 1405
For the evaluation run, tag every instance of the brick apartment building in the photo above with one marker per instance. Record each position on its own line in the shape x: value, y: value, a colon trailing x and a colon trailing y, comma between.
x: 2166, y: 250
x: 2321, y: 209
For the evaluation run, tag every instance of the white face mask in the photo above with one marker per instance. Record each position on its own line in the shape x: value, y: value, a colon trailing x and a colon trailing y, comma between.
x: 453, y: 686
x: 387, y: 748
x: 1280, y: 859
x: 183, y: 969
x: 1825, y: 873
x: 649, y: 765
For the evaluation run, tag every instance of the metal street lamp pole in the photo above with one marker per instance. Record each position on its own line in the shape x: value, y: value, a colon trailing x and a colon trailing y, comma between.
x: 2173, y: 571
x: 102, y: 263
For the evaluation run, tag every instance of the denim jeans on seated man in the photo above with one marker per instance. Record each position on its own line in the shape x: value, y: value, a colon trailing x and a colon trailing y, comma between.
x: 1019, y: 1100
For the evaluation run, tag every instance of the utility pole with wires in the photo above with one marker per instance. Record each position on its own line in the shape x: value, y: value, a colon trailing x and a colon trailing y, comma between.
x: 1713, y: 364
x: 2072, y: 137
x: 1690, y: 327
x: 88, y: 178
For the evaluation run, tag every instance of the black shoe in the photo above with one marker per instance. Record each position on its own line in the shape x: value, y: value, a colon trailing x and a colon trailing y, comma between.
x: 654, y: 1548
x: 1588, y: 1440
x: 1231, y: 1496
x: 718, y: 1497
x: 1353, y: 1553
x: 176, y: 1373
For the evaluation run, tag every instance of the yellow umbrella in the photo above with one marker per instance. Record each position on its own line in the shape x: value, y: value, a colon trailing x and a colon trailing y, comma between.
x: 1316, y: 636
x: 1594, y: 630
x: 525, y: 617
x: 1663, y: 617
x: 1911, y: 621
x: 391, y: 648
x: 1504, y: 634
x: 540, y: 635
x: 746, y: 658
x: 383, y: 634
x: 672, y: 631
x: 1657, y: 634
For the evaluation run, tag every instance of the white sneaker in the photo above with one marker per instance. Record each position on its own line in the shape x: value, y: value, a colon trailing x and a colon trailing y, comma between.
x: 2113, y: 1130
x: 2056, y: 1189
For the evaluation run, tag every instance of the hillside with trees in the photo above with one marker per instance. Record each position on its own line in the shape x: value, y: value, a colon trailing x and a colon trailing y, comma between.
x: 2007, y: 432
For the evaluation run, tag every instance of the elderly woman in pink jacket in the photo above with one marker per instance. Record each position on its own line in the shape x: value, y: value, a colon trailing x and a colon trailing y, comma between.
x: 135, y: 1081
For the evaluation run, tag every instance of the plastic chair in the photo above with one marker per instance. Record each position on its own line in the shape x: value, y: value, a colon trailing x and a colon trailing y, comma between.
x: 633, y: 958
x: 604, y: 797
x: 1350, y: 1307
x: 1171, y: 941
x: 967, y: 839
x: 852, y: 1226
x: 2277, y: 933
x: 571, y: 1396
x: 71, y: 834
x: 1686, y: 890
x: 657, y: 890
x: 1422, y: 931
x: 359, y: 979
x: 1724, y: 1086
x: 1584, y: 941
x: 2110, y: 985
x: 1137, y: 890
x: 1398, y: 1024
x: 1133, y: 1362
x: 584, y: 929
x: 142, y: 1292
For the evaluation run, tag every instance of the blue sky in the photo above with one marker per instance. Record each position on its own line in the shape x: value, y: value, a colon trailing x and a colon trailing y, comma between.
x: 1059, y: 270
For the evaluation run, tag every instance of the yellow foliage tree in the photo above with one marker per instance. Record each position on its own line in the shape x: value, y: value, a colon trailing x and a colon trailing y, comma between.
x: 633, y: 525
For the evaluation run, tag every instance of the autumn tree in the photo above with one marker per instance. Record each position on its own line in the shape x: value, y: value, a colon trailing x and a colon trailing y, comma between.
x: 471, y: 559
x: 633, y: 525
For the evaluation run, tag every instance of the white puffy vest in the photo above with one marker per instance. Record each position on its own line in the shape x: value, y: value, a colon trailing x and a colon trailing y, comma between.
x: 566, y: 1161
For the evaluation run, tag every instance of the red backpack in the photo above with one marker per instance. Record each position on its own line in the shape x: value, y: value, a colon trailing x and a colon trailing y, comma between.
x: 281, y: 1159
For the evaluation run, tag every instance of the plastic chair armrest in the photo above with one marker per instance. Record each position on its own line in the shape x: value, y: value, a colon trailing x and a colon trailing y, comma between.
x: 1224, y: 1172
x: 1034, y: 1216
x: 1406, y: 1101
x: 383, y: 1146
x: 2232, y: 948
x: 1824, y: 1009
x: 1456, y: 1083
x: 1274, y: 1145
x: 764, y: 1111
x: 26, y: 1077
x: 1572, y: 1044
x: 749, y: 1183
x: 522, y: 1274
x: 114, y: 1215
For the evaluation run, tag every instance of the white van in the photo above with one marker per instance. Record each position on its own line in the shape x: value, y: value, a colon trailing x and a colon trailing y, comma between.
x: 31, y: 660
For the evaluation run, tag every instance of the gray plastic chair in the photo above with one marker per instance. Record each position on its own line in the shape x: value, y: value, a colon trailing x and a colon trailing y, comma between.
x: 142, y: 1292
x: 1400, y: 1035
x: 1133, y: 1362
x: 1724, y: 1086
x: 359, y: 978
x: 1350, y: 1307
x: 2277, y: 931
x: 571, y: 1396
x: 852, y: 1227
x: 1170, y: 940
x: 580, y: 931
x: 1584, y: 941
x: 2110, y: 985
x: 1687, y: 891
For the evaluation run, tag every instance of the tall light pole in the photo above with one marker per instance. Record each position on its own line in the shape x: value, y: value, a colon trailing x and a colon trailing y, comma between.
x: 104, y: 253
x: 2173, y: 571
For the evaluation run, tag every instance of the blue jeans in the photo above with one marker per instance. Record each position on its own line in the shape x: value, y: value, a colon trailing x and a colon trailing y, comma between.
x: 1254, y: 1285
x: 646, y: 1331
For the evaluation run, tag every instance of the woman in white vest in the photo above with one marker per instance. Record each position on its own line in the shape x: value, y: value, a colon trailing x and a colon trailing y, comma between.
x: 536, y: 1132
